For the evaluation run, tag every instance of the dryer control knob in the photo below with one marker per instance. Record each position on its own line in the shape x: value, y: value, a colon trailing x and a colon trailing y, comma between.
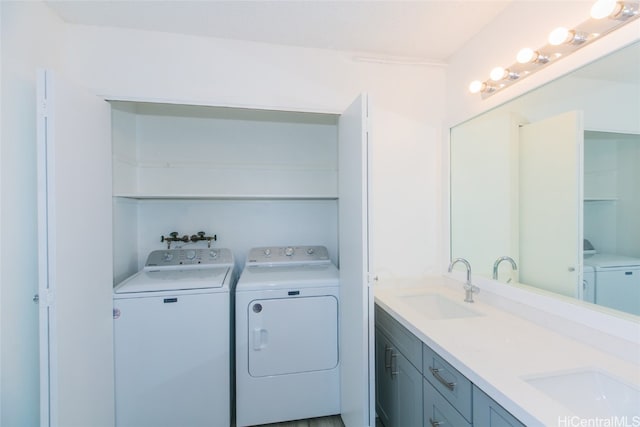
x: 288, y: 251
x: 267, y: 252
x: 191, y: 254
x: 310, y: 251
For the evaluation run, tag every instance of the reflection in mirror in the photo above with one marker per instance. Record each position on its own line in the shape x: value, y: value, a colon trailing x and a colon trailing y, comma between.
x: 552, y: 180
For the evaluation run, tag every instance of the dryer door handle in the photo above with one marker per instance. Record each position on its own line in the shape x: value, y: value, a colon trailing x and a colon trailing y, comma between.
x: 259, y: 339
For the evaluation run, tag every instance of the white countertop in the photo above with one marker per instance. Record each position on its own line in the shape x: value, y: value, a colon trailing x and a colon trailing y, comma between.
x: 497, y: 349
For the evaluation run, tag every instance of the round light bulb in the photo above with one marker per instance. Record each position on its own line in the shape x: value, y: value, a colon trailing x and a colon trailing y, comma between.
x: 498, y: 74
x: 476, y: 86
x: 605, y: 8
x: 559, y: 36
x: 526, y: 55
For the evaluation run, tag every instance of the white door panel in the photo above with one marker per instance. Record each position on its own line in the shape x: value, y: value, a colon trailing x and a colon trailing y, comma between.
x: 550, y: 175
x: 356, y: 298
x: 75, y: 254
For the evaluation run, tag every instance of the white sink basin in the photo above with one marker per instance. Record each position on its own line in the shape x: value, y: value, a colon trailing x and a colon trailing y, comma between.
x: 591, y: 393
x: 434, y: 306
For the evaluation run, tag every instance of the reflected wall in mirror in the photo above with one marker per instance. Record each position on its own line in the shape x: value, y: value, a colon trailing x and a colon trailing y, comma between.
x: 552, y: 180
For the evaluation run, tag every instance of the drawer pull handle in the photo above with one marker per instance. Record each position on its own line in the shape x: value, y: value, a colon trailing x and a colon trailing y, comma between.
x: 434, y: 423
x: 436, y: 373
x: 387, y: 359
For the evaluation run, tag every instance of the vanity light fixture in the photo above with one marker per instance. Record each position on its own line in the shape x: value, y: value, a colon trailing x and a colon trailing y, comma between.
x: 613, y: 9
x: 605, y: 8
x: 477, y: 86
x: 562, y: 35
x: 498, y: 74
x: 528, y: 55
x: 606, y: 16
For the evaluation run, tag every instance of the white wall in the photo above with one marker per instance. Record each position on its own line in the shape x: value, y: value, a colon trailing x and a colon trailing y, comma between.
x: 479, y: 207
x: 31, y: 38
x: 407, y: 112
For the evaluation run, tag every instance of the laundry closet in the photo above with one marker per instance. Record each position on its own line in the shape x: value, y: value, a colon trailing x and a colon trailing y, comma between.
x: 611, y: 202
x: 248, y: 176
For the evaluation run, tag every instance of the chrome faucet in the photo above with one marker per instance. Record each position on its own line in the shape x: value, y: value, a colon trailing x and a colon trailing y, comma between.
x: 469, y: 288
x: 496, y: 264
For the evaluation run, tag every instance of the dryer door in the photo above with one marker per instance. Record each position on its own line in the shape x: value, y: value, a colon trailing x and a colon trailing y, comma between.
x: 292, y: 335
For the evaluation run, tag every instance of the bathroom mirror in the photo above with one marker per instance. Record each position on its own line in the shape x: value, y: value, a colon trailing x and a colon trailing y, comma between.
x: 551, y: 179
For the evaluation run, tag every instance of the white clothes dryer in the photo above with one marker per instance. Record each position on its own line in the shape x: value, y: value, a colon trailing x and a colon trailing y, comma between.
x: 617, y: 281
x: 172, y: 340
x: 287, y: 358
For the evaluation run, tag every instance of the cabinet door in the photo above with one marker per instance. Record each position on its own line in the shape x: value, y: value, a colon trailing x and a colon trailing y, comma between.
x: 357, y: 382
x: 74, y: 280
x: 408, y: 385
x: 487, y: 413
x: 384, y: 385
x: 398, y: 386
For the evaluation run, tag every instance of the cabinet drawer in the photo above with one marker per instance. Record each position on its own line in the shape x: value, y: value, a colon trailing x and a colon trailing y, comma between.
x: 439, y: 412
x: 451, y: 384
x: 407, y: 343
x: 487, y: 412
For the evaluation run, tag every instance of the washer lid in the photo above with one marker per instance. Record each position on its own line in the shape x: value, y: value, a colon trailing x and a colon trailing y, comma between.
x: 282, y: 277
x: 602, y: 261
x: 173, y: 279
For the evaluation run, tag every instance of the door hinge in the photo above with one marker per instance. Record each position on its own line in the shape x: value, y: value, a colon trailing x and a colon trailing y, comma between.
x: 44, y: 108
x: 45, y: 297
x: 372, y: 277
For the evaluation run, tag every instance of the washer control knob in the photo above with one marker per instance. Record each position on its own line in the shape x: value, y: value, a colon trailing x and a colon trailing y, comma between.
x: 168, y: 256
x: 267, y: 252
x: 191, y: 254
x: 213, y: 254
x: 288, y: 251
x: 310, y: 251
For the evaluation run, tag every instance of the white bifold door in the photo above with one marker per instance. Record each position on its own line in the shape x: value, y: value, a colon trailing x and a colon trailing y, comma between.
x: 357, y: 383
x: 550, y: 203
x: 74, y: 255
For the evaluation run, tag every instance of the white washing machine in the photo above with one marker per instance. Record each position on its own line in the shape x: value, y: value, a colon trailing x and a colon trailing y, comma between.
x: 617, y: 281
x: 172, y: 340
x: 287, y: 359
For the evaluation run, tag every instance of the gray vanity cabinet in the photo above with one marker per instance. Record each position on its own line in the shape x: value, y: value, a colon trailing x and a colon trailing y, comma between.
x: 417, y: 387
x: 398, y: 380
x: 488, y: 413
